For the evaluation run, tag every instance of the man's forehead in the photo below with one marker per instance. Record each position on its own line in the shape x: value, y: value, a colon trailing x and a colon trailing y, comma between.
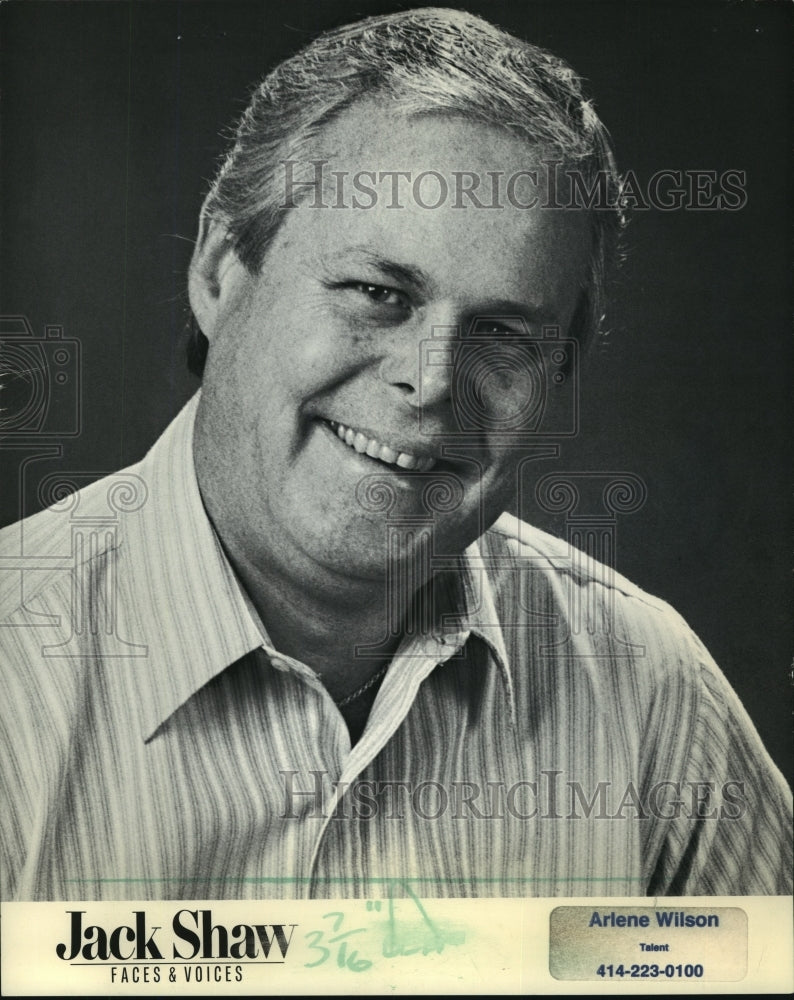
x: 375, y: 159
x: 378, y: 136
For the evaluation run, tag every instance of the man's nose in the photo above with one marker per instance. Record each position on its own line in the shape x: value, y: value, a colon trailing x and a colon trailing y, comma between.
x: 419, y: 362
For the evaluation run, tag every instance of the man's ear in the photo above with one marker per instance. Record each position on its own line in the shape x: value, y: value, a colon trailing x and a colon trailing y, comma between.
x: 214, y: 268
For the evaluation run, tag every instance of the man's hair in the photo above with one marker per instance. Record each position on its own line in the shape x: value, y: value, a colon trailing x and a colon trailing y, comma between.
x: 432, y: 60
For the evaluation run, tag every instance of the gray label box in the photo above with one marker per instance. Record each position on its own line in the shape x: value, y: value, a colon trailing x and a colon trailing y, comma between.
x: 663, y: 944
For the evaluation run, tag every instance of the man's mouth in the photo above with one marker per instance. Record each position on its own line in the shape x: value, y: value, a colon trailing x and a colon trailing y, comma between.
x: 373, y: 448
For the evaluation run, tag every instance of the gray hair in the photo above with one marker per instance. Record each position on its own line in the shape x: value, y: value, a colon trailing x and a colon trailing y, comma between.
x: 425, y: 61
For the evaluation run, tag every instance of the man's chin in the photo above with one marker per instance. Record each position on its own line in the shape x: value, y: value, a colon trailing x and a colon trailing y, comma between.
x: 376, y: 555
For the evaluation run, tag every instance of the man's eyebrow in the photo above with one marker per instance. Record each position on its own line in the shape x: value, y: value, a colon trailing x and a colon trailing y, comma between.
x: 405, y: 273
x: 492, y: 309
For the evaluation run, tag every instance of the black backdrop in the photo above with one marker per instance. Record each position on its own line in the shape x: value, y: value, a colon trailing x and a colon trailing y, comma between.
x: 112, y: 123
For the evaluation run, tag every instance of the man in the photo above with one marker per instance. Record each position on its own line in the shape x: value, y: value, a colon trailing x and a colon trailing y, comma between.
x: 304, y: 655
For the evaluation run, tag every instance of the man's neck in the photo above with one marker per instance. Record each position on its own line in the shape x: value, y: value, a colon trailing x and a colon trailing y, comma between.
x: 323, y: 624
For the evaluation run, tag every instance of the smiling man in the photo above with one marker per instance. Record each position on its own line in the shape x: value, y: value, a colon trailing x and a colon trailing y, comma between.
x: 327, y: 333
x: 313, y: 657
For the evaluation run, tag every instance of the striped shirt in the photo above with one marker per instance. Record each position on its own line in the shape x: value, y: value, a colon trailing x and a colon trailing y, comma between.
x: 558, y: 733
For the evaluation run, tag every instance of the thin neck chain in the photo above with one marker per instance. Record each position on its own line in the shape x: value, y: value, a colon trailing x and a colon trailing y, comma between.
x: 364, y: 687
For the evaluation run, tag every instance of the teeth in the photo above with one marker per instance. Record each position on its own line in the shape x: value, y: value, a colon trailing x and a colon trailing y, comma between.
x: 369, y: 446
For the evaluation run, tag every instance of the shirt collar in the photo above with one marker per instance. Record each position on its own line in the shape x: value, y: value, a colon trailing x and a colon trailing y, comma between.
x: 197, y: 616
x: 468, y: 602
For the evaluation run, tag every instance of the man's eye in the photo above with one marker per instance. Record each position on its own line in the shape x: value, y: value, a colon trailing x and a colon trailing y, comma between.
x: 380, y: 293
x: 371, y: 302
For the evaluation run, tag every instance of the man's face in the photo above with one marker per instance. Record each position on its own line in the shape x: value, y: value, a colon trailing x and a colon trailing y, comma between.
x: 313, y: 376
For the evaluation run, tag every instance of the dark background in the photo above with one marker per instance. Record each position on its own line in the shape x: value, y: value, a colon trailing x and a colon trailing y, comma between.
x: 112, y: 119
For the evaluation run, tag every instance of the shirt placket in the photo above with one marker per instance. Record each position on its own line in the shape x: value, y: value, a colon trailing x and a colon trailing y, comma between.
x: 411, y: 665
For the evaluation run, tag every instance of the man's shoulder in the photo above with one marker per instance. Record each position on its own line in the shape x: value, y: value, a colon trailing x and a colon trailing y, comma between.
x: 112, y: 516
x: 588, y: 625
x: 533, y: 569
x: 514, y: 540
x: 78, y: 529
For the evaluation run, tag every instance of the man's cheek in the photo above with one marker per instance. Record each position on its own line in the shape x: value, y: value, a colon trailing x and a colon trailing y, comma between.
x: 321, y: 351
